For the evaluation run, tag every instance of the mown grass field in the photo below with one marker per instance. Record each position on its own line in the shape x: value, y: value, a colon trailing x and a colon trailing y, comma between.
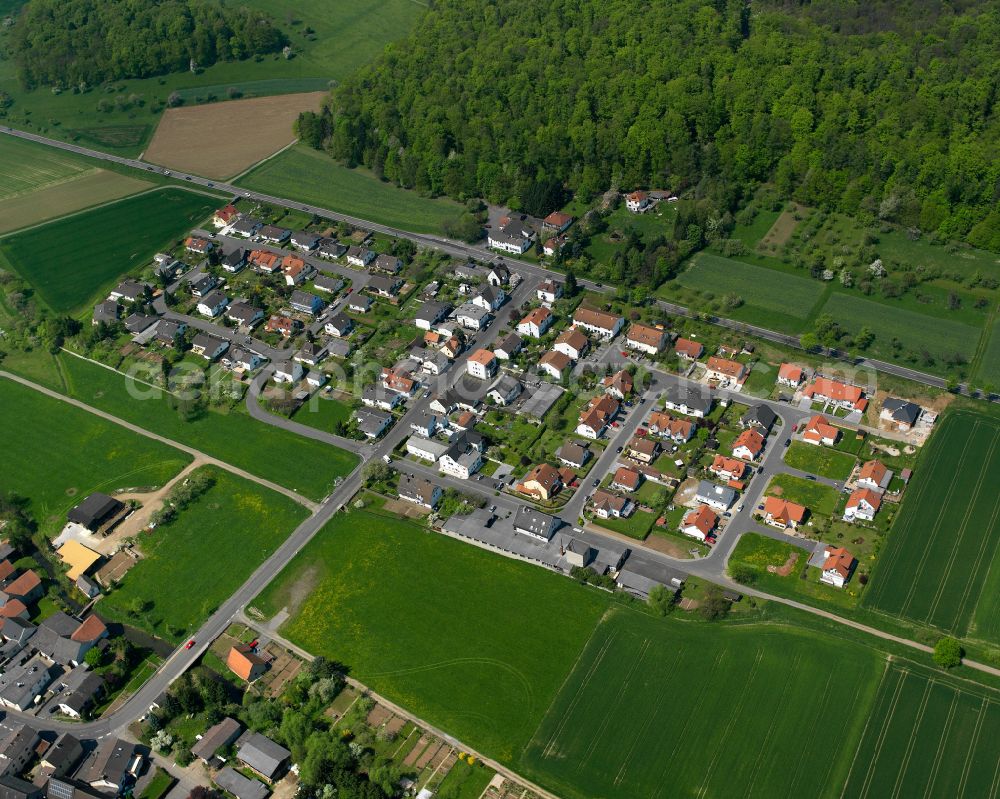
x: 817, y: 497
x: 323, y: 414
x: 820, y: 460
x: 194, y: 563
x: 673, y: 709
x: 72, y: 261
x: 83, y: 454
x: 457, y: 635
x: 927, y: 735
x: 26, y: 167
x: 302, y: 464
x: 313, y: 177
x: 85, y: 190
x: 939, y: 566
x: 346, y: 36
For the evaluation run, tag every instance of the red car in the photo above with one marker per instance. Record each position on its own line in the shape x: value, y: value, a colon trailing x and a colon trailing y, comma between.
x: 189, y: 644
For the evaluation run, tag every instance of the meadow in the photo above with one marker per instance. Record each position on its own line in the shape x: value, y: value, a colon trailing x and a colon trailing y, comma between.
x: 455, y: 634
x: 329, y: 42
x: 660, y: 709
x: 26, y: 167
x: 938, y: 567
x: 820, y: 460
x: 73, y: 261
x: 817, y: 497
x: 83, y: 454
x: 927, y: 735
x: 179, y: 578
x: 313, y: 177
x: 307, y: 466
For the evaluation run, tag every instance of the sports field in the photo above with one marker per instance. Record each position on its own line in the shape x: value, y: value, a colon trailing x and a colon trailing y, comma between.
x: 194, y: 563
x: 473, y: 642
x: 927, y: 736
x: 83, y: 454
x: 72, y: 261
x: 939, y: 566
x: 660, y: 709
x: 85, y: 190
x: 313, y: 177
x: 220, y: 140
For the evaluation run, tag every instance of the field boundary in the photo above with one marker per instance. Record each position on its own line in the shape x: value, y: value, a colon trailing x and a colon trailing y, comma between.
x: 263, y: 160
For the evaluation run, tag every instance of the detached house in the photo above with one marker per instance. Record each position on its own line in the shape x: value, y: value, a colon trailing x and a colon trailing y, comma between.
x: 727, y: 468
x: 482, y: 364
x: 274, y: 234
x: 611, y: 506
x: 626, y: 478
x: 225, y: 216
x: 543, y: 482
x: 549, y: 291
x: 282, y: 325
x: 685, y: 398
x: 637, y: 202
x: 198, y: 245
x: 304, y: 302
x: 680, y: 431
x: 725, y: 371
x: 419, y: 491
x: 619, y: 385
x: 818, y: 431
x: 721, y: 498
x: 596, y: 416
x: 900, y: 414
x: 699, y: 522
x: 749, y: 444
x: 295, y: 270
x: 838, y: 566
x: 644, y: 450
x: 688, y: 350
x: 536, y: 323
x: 208, y: 347
x: 875, y: 476
x: 490, y: 298
x: 790, y: 375
x: 472, y: 316
x: 571, y: 343
x: 244, y: 314
x: 505, y: 390
x: 510, y: 242
x: 235, y: 261
x: 265, y: 261
x: 304, y: 241
x: 554, y: 364
x: 604, y: 325
x: 359, y: 256
x: 509, y: 346
x: 783, y: 514
x: 646, y: 339
x: 387, y: 264
x: 863, y: 504
x: 557, y: 221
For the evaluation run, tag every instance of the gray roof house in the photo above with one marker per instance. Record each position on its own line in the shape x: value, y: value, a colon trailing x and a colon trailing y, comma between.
x: 419, y: 490
x: 901, y: 411
x: 328, y: 283
x: 759, y: 416
x: 687, y: 399
x: 112, y: 766
x: 573, y: 454
x: 216, y: 737
x: 304, y: 302
x: 16, y: 788
x: 534, y: 523
x: 372, y: 422
x: 639, y: 578
x: 106, y: 312
x: 262, y: 755
x: 715, y: 496
x: 231, y: 781
x: 274, y: 234
x: 305, y: 241
x: 62, y: 755
x: 430, y: 313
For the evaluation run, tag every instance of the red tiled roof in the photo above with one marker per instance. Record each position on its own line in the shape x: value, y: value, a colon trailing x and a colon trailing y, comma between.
x: 818, y: 429
x: 782, y: 510
x: 789, y: 371
x: 840, y: 560
x: 703, y: 518
x: 90, y: 629
x: 691, y: 349
x: 752, y: 439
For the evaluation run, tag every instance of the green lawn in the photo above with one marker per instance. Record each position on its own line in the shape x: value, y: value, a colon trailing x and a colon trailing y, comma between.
x: 307, y: 466
x: 820, y: 460
x: 313, y: 177
x: 927, y: 735
x: 25, y: 167
x: 817, y: 497
x: 679, y: 709
x: 346, y: 36
x: 82, y: 454
x: 939, y: 567
x: 465, y: 781
x: 989, y: 367
x: 635, y: 526
x: 449, y: 631
x: 197, y: 561
x: 323, y: 414
x: 72, y: 261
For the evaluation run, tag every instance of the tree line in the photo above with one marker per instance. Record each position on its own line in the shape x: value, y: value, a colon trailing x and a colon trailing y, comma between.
x: 69, y: 43
x: 881, y: 107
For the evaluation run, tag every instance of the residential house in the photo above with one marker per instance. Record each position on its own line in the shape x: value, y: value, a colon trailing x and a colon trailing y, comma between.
x: 790, y: 375
x: 239, y: 786
x: 643, y: 449
x: 542, y: 482
x: 700, y: 522
x: 836, y: 393
x: 464, y: 457
x: 554, y: 364
x: 512, y: 243
x: 245, y: 227
x: 213, y: 304
x: 108, y: 312
x: 572, y: 343
x: 311, y: 353
x: 61, y: 756
x: 130, y: 291
x: 505, y: 390
x: 554, y: 245
x: 579, y: 554
x: 720, y: 498
x: 688, y: 350
x: 97, y: 513
x: 262, y: 755
x: 265, y: 261
x: 274, y: 234
x: 430, y: 313
x: 783, y: 514
x: 637, y: 202
x: 216, y: 737
x: 611, y: 506
x: 509, y: 346
x: 759, y: 416
x: 359, y: 256
x: 838, y: 566
x: 78, y: 691
x: 680, y: 431
x: 197, y: 244
x: 283, y: 325
x: 22, y: 682
x: 316, y: 378
x: 295, y: 270
x: 536, y: 323
x: 601, y: 324
x: 687, y: 399
x: 638, y: 578
x: 388, y: 264
x: 534, y: 523
x: 17, y: 747
x: 619, y: 385
x: 863, y: 504
x: 114, y: 766
x: 245, y: 663
x: 427, y: 424
x: 238, y: 358
x: 818, y: 431
x: 875, y: 476
x: 307, y: 242
x: 490, y: 298
x: 725, y: 371
x: 287, y: 372
x: 225, y: 216
x: 727, y: 468
x: 244, y: 314
x: 169, y: 331
x: 626, y: 478
x: 900, y: 414
x: 749, y: 444
x: 549, y: 291
x: 208, y: 347
x: 419, y: 491
x: 573, y: 455
x: 650, y: 340
x: 203, y: 285
x: 481, y: 364
x: 472, y: 316
x: 328, y: 283
x: 330, y: 249
x: 385, y: 286
x: 304, y: 302
x: 359, y: 303
x: 499, y: 274
x: 557, y: 221
x: 596, y: 416
x: 453, y: 347
x: 399, y: 381
x: 426, y: 449
x: 339, y: 325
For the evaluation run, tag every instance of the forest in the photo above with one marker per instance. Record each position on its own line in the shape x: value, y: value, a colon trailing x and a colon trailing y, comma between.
x: 885, y: 109
x: 66, y: 43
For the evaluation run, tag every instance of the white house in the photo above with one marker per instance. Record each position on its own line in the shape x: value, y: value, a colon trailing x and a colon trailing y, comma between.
x: 715, y: 496
x: 646, y: 339
x: 601, y: 324
x: 427, y: 449
x: 472, y: 316
x: 838, y: 566
x: 536, y: 323
x: 208, y: 347
x: 513, y: 243
x: 490, y: 298
x: 637, y: 202
x: 554, y: 364
x: 549, y: 291
x: 287, y: 372
x: 571, y: 343
x: 863, y: 504
x: 212, y: 305
x: 482, y: 364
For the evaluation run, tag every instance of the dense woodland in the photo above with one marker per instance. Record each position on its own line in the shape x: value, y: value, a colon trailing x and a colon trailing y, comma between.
x: 887, y: 109
x: 66, y: 43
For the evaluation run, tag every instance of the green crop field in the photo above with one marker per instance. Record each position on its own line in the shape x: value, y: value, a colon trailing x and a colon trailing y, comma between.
x: 820, y: 460
x: 83, y: 454
x: 71, y: 261
x: 25, y: 167
x: 329, y: 41
x: 313, y: 177
x: 939, y: 566
x: 988, y: 370
x: 307, y: 466
x: 657, y: 709
x: 775, y: 299
x: 927, y: 735
x: 817, y: 497
x: 451, y: 632
x: 236, y: 523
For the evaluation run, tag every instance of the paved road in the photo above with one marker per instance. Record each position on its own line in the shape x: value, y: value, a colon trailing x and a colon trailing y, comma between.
x: 478, y: 253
